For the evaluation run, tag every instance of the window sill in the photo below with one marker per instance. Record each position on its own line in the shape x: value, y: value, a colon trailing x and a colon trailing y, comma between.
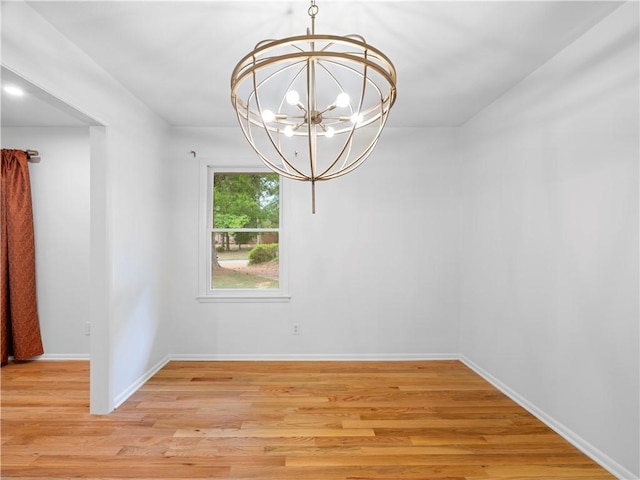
x: 245, y: 297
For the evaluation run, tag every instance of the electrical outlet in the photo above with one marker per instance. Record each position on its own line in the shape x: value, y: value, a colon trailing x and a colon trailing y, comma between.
x: 295, y: 329
x: 87, y: 328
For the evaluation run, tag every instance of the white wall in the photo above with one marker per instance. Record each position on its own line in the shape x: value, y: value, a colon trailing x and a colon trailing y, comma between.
x: 373, y: 274
x: 128, y: 203
x: 60, y: 195
x: 549, y: 303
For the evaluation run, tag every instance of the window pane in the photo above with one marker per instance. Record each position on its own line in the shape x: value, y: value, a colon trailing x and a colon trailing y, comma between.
x: 246, y: 200
x: 245, y: 262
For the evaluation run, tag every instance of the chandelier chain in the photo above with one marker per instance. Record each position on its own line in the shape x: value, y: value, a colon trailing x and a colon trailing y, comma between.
x: 313, y: 9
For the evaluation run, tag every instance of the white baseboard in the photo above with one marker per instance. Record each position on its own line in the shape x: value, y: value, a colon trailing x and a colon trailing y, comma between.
x: 373, y: 357
x: 581, y: 444
x: 133, y: 388
x: 61, y: 357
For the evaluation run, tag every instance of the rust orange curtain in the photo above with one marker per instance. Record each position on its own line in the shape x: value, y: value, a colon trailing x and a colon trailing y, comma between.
x: 20, y: 328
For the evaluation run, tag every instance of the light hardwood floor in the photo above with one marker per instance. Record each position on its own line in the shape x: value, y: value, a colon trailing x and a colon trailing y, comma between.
x: 279, y: 420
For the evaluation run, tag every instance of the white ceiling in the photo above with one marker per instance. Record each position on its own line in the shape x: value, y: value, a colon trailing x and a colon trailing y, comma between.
x: 36, y: 107
x: 453, y: 58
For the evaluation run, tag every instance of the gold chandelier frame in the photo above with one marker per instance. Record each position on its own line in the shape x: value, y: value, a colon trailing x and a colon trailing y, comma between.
x: 344, y: 63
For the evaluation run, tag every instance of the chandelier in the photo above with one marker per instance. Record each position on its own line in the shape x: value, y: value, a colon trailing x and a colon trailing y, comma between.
x: 313, y: 106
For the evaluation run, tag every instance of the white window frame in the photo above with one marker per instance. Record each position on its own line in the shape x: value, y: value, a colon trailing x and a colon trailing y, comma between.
x: 208, y: 294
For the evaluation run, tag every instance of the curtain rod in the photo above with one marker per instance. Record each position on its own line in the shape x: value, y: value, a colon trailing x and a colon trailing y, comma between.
x: 31, y: 154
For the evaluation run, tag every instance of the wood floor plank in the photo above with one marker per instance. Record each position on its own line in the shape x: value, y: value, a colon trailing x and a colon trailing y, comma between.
x: 275, y: 432
x: 509, y: 461
x: 279, y: 421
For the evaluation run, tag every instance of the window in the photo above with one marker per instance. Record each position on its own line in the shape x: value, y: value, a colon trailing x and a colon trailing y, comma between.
x: 242, y: 246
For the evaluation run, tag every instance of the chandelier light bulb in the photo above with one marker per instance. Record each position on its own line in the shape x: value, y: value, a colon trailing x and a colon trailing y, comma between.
x: 268, y: 116
x: 342, y: 100
x: 329, y: 132
x: 356, y: 118
x: 288, y: 131
x: 293, y: 97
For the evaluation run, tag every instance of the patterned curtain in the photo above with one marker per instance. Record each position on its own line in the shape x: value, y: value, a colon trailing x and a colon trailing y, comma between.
x: 20, y: 328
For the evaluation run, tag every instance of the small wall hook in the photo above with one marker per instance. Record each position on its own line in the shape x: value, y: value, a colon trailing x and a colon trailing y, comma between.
x: 193, y: 152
